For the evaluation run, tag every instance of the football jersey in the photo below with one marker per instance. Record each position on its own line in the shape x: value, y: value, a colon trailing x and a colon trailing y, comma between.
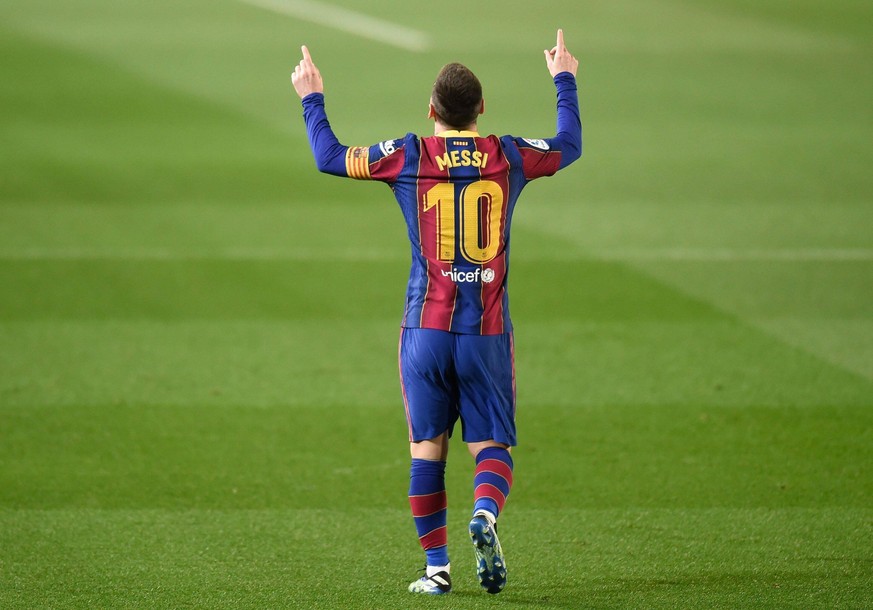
x: 457, y: 191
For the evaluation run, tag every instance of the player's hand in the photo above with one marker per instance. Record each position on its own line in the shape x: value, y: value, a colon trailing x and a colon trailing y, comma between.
x: 559, y: 59
x: 306, y: 78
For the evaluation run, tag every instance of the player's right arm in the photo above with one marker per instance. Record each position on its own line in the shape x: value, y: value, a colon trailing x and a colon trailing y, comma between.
x: 332, y: 157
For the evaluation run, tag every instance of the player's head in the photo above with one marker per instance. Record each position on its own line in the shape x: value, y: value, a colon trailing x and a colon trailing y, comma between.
x: 456, y: 99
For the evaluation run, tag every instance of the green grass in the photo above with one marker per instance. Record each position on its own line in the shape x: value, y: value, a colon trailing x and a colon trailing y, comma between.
x: 199, y: 405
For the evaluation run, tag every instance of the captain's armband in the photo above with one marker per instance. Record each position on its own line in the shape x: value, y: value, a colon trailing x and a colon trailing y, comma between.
x: 358, y: 162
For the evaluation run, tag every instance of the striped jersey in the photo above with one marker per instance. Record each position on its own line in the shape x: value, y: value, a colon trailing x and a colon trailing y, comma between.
x: 457, y: 191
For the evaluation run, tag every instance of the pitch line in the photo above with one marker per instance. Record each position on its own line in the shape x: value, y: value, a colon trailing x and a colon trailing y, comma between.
x: 349, y: 21
x: 171, y: 255
x: 642, y: 255
x: 715, y: 255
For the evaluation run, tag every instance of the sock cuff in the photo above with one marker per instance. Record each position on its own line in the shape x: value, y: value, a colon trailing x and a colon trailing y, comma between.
x: 495, y: 453
x: 432, y: 570
x: 427, y: 467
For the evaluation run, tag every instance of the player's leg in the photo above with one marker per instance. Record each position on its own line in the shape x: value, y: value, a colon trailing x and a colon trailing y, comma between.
x: 492, y: 482
x: 427, y: 499
x: 427, y: 380
x: 487, y: 405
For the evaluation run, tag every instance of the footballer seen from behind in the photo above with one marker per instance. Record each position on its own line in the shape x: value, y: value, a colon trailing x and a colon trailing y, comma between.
x: 457, y: 190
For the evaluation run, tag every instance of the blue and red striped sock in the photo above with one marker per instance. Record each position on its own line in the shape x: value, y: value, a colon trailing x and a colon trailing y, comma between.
x: 427, y: 498
x: 493, y: 480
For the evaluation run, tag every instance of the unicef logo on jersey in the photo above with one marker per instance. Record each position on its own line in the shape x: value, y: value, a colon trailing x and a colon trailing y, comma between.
x: 468, y: 277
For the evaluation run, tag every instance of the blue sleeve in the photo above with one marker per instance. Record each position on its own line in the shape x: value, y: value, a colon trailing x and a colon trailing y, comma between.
x: 541, y: 158
x: 569, y: 130
x: 382, y: 161
x: 330, y: 155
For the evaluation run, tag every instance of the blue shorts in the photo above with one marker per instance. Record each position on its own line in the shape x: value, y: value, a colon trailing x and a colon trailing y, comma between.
x: 446, y: 375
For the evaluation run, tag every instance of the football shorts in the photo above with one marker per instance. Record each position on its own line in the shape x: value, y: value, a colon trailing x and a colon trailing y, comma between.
x: 448, y: 376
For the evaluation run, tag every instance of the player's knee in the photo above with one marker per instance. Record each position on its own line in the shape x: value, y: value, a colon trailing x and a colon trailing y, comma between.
x: 432, y: 449
x: 476, y: 447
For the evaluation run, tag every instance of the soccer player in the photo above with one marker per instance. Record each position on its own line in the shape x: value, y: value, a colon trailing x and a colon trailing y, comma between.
x: 457, y: 190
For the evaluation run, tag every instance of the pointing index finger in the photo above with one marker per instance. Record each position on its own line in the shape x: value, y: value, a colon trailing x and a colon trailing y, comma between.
x: 306, y: 56
x: 560, y: 44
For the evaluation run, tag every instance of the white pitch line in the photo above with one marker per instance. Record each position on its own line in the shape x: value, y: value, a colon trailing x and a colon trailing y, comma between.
x: 715, y: 255
x: 349, y: 21
x: 702, y: 255
x: 169, y: 254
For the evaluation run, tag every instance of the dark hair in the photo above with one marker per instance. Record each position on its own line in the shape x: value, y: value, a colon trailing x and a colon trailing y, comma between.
x: 456, y: 96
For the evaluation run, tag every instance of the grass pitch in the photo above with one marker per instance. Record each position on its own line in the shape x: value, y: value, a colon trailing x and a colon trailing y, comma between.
x: 199, y: 405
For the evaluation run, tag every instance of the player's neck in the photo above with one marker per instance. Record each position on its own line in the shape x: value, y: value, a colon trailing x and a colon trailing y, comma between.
x: 439, y: 128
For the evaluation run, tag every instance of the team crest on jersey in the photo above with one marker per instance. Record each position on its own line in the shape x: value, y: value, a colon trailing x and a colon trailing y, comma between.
x: 541, y: 144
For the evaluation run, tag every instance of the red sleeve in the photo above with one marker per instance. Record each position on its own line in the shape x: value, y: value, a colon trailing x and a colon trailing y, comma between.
x: 538, y: 158
x: 381, y: 162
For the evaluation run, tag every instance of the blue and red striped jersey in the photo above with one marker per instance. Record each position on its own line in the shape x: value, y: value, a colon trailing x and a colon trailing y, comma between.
x: 457, y: 191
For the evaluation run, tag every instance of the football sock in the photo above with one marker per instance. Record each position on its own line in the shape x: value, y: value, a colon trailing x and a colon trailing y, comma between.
x: 431, y: 570
x: 493, y: 480
x: 427, y: 498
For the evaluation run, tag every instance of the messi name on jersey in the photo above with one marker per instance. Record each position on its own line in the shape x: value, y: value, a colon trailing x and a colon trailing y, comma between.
x: 462, y: 158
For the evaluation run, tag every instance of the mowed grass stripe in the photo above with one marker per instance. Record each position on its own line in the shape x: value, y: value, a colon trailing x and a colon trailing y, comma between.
x: 328, y: 364
x: 210, y: 289
x: 320, y: 290
x: 273, y: 558
x: 318, y: 230
x: 846, y: 342
x: 197, y: 363
x: 200, y: 455
x: 81, y: 129
x: 588, y: 328
x: 823, y: 307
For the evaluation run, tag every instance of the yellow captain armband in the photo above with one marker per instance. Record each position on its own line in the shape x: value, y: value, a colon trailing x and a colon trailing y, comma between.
x: 358, y: 162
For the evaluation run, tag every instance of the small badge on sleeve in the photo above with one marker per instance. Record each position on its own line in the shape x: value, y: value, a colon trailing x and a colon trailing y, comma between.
x: 541, y: 144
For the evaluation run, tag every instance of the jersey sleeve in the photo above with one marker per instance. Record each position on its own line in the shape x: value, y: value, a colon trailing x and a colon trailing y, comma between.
x: 544, y: 157
x: 382, y: 161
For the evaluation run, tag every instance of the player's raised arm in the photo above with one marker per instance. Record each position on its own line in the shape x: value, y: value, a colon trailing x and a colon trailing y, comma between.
x: 306, y: 78
x: 331, y: 156
x: 545, y: 157
x: 559, y: 59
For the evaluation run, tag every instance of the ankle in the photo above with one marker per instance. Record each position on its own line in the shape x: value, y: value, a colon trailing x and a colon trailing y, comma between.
x: 431, y: 570
x: 488, y: 515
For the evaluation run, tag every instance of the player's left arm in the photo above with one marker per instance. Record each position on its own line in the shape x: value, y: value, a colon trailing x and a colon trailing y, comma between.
x: 562, y: 65
x: 332, y: 157
x: 545, y: 157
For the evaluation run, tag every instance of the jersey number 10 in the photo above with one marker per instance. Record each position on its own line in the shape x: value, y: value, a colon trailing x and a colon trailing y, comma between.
x: 481, y: 211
